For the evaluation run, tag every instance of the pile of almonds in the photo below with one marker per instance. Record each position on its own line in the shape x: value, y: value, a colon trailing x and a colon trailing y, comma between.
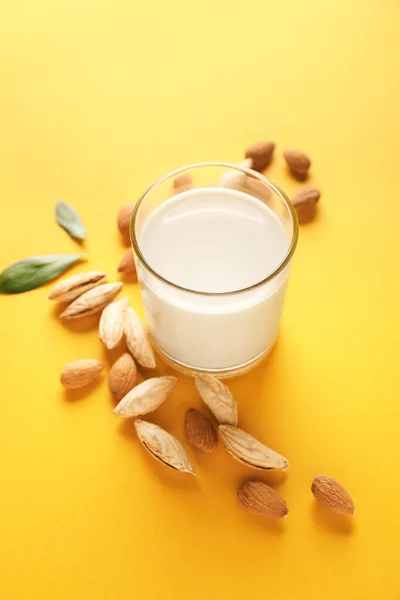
x: 88, y: 294
x: 305, y: 200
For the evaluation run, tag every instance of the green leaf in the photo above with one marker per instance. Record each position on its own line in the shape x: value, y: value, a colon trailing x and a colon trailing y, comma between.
x: 68, y: 218
x: 32, y: 272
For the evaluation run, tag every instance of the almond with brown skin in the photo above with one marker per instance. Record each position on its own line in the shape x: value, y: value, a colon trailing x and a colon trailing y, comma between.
x: 259, y: 498
x: 122, y: 377
x: 92, y: 301
x: 182, y: 183
x: 127, y: 265
x: 332, y: 495
x: 79, y: 373
x: 305, y: 203
x: 124, y: 219
x: 71, y: 288
x: 298, y: 163
x: 261, y: 154
x: 200, y: 432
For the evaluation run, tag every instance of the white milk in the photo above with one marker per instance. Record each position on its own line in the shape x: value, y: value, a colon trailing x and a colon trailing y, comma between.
x: 213, y: 240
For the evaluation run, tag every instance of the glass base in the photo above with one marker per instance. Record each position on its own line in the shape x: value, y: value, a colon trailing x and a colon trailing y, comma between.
x: 220, y: 373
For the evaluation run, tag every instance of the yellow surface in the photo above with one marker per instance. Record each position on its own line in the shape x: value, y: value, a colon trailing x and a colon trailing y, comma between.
x: 98, y: 99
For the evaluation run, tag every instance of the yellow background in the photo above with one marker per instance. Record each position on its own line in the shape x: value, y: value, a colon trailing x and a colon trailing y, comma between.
x: 99, y: 98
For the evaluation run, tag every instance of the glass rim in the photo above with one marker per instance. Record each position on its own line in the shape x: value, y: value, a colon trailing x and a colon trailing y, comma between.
x: 255, y: 175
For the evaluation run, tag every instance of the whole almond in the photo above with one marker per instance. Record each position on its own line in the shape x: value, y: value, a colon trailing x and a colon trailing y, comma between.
x: 137, y: 340
x: 124, y: 218
x: 259, y: 498
x: 72, y: 287
x: 200, y: 432
x: 92, y: 301
x: 298, y: 163
x: 332, y: 495
x: 79, y: 373
x: 218, y: 398
x: 122, y: 377
x: 258, y: 188
x: 249, y: 451
x: 261, y: 154
x: 112, y: 323
x: 305, y: 201
x: 145, y: 397
x: 127, y: 265
x: 163, y: 446
x: 182, y: 183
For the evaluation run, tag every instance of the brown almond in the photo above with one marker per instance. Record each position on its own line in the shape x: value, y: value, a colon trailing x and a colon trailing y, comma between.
x: 127, y: 265
x: 298, y: 163
x: 122, y: 377
x: 124, y: 218
x: 304, y: 202
x: 261, y: 499
x: 79, y: 373
x: 328, y: 492
x: 261, y: 154
x: 258, y: 188
x: 72, y: 287
x: 182, y: 183
x: 92, y: 301
x: 200, y: 432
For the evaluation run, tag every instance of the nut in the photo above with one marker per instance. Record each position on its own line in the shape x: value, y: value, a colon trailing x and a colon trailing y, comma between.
x: 259, y: 498
x: 92, y: 301
x: 305, y: 203
x: 71, y: 288
x: 298, y: 163
x: 200, y: 433
x: 145, y: 397
x: 218, y: 398
x: 112, y: 323
x: 164, y: 447
x: 79, y: 373
x: 261, y: 154
x: 124, y: 218
x: 137, y: 340
x: 332, y: 495
x: 249, y: 451
x: 127, y: 266
x: 122, y: 377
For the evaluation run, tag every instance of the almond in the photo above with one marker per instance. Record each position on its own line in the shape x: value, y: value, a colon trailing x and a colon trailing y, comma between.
x: 127, y: 265
x: 71, y: 288
x: 92, y: 301
x: 305, y: 201
x: 259, y: 498
x: 258, y: 188
x: 124, y: 218
x: 332, y: 495
x: 261, y: 154
x: 112, y: 323
x: 218, y: 398
x: 298, y: 163
x: 145, y: 397
x: 122, y: 376
x: 137, y: 340
x: 249, y: 451
x: 182, y: 183
x: 164, y: 447
x: 79, y: 373
x: 200, y: 433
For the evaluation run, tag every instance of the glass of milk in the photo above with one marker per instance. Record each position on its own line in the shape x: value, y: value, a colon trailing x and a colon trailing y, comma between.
x: 214, y: 244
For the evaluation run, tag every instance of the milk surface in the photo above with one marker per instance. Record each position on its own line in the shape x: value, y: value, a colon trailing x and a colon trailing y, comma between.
x: 213, y: 240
